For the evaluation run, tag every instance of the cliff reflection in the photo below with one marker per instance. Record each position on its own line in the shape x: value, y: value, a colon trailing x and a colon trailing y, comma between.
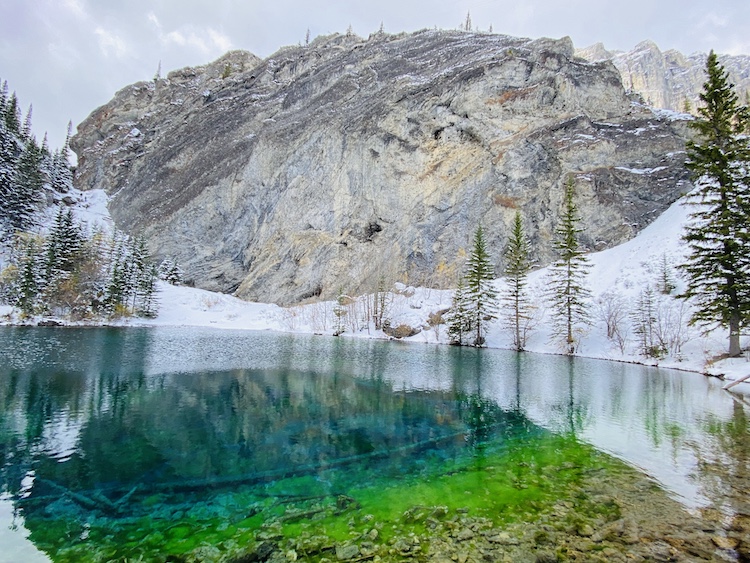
x: 133, y: 434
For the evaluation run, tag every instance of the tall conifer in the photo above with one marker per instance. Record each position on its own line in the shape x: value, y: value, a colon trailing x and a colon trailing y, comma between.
x: 480, y: 291
x: 718, y: 266
x: 568, y: 290
x: 515, y: 299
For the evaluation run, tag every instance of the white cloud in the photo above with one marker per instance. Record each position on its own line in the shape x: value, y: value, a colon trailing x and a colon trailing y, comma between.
x: 154, y: 20
x: 220, y: 41
x: 76, y: 8
x: 206, y: 40
x: 111, y: 44
x: 738, y: 47
x: 713, y: 20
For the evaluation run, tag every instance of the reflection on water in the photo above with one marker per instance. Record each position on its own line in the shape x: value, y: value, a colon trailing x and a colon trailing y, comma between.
x: 92, y: 420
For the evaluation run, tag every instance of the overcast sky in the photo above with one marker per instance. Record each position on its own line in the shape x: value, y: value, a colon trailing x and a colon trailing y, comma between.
x: 67, y: 57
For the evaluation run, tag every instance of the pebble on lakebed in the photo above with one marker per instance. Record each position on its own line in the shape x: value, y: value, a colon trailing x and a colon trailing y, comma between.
x: 628, y: 519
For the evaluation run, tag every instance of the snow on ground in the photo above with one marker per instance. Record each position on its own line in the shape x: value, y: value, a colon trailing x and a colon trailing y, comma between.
x: 186, y: 306
x: 619, y: 273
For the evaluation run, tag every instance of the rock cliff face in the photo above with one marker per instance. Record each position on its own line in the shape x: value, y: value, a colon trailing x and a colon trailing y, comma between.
x: 668, y: 79
x: 335, y: 164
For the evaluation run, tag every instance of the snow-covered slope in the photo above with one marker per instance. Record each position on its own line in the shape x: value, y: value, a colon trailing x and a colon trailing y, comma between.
x: 618, y: 275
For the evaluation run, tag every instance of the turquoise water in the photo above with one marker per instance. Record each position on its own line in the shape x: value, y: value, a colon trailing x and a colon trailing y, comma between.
x: 121, y: 441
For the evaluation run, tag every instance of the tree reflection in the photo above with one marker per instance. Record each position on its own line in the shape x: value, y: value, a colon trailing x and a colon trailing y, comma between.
x: 187, y: 432
x: 724, y: 471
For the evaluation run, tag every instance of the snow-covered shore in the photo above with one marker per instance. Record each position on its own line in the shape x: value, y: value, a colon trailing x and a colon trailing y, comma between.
x: 617, y: 275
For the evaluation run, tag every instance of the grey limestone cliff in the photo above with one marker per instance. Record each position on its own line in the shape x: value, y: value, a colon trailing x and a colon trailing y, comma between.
x: 669, y: 79
x: 335, y: 164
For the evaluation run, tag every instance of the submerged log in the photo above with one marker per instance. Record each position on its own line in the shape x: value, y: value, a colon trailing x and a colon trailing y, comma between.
x: 97, y: 500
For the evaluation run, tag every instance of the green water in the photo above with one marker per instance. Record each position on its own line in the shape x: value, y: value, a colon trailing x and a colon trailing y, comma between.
x: 177, y: 444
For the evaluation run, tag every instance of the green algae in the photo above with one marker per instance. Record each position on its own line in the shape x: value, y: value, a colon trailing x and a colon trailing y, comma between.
x: 509, y: 482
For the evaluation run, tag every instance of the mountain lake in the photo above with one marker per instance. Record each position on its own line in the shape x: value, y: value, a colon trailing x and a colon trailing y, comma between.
x: 193, y: 444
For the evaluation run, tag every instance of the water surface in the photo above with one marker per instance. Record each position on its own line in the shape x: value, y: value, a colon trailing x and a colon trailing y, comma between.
x: 135, y: 439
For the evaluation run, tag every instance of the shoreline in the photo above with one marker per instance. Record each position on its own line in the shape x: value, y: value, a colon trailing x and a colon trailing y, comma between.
x: 687, y: 367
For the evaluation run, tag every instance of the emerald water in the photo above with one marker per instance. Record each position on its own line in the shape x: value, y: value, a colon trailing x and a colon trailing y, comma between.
x: 175, y: 444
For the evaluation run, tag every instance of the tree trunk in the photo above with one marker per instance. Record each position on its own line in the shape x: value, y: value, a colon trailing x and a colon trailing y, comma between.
x: 734, y: 335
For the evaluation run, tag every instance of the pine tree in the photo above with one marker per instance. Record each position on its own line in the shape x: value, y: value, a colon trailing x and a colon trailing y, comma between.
x: 568, y: 290
x: 170, y: 272
x: 22, y: 173
x: 64, y: 243
x: 148, y: 305
x: 340, y: 312
x: 62, y: 255
x: 26, y: 129
x: 3, y: 99
x: 480, y: 291
x: 58, y: 167
x: 29, y: 278
x: 28, y: 182
x: 12, y: 115
x: 644, y: 324
x: 718, y: 265
x: 515, y: 299
x: 117, y: 290
x: 8, y: 165
x: 458, y: 318
x: 665, y: 280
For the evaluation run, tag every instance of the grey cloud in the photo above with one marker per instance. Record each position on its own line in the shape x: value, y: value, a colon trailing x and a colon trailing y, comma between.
x: 69, y: 56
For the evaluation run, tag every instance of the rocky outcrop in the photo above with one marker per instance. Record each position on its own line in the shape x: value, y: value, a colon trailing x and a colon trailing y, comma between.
x: 669, y: 79
x: 333, y: 165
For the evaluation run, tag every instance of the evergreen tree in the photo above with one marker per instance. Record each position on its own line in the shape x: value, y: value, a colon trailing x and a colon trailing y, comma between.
x: 515, y: 299
x: 458, y: 318
x: 8, y: 165
x: 24, y: 167
x: 340, y: 312
x: 480, y: 291
x: 29, y: 278
x: 28, y: 181
x: 170, y: 272
x: 665, y: 280
x: 3, y: 99
x: 718, y: 265
x: 117, y: 293
x: 58, y: 167
x: 644, y: 324
x: 26, y: 129
x: 64, y: 243
x: 12, y: 115
x: 62, y: 257
x: 148, y: 302
x: 568, y: 290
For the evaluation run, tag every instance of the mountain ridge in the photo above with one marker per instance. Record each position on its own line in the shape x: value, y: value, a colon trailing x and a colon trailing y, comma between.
x: 669, y: 79
x: 327, y: 167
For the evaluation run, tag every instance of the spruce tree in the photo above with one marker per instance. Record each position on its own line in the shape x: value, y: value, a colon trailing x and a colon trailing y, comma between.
x: 28, y: 182
x: 515, y: 298
x: 718, y: 264
x: 644, y: 324
x: 29, y: 277
x: 480, y: 291
x: 458, y: 318
x: 568, y: 290
x: 8, y: 165
x: 170, y: 272
x: 117, y: 290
